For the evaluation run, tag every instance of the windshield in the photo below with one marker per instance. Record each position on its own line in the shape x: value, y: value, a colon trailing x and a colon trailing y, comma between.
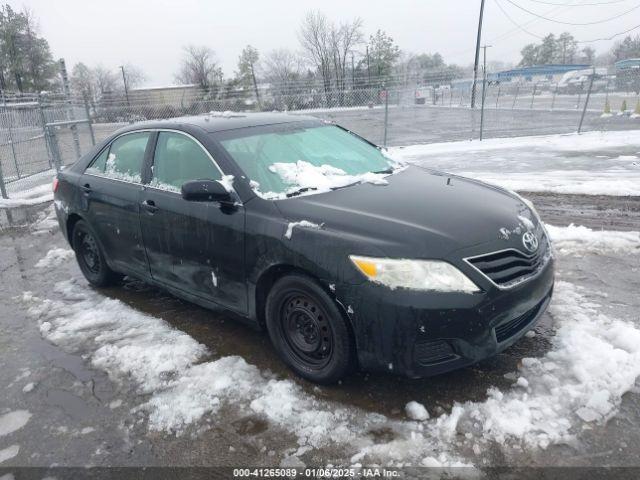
x: 287, y: 159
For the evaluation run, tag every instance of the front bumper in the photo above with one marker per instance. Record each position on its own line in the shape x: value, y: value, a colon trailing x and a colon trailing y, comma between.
x: 419, y: 334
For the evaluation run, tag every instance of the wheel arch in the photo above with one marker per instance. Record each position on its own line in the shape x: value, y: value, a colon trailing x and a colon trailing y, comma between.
x: 71, y: 223
x: 271, y: 275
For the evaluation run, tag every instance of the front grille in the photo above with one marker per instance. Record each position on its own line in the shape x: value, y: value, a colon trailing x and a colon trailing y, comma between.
x: 507, y: 268
x: 508, y: 329
x: 426, y: 353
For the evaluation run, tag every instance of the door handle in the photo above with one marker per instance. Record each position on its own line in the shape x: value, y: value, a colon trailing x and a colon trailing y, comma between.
x: 86, y: 188
x: 150, y: 206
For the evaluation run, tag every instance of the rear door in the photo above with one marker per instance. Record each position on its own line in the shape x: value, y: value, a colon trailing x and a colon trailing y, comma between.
x: 110, y: 187
x: 197, y: 247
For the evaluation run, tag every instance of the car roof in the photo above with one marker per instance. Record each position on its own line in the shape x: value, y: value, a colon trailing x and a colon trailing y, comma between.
x: 220, y: 121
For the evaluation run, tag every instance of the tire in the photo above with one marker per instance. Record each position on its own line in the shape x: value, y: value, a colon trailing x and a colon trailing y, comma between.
x: 308, y: 330
x: 90, y: 257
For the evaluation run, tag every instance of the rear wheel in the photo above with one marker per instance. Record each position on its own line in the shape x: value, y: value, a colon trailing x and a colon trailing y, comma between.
x: 308, y: 330
x: 90, y: 257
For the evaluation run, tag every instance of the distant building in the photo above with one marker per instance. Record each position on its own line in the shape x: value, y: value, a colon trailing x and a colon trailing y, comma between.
x: 535, y: 73
x: 628, y: 74
x: 173, y: 95
x: 627, y: 64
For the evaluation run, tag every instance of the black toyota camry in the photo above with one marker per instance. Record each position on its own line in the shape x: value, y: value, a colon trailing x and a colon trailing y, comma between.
x: 347, y: 258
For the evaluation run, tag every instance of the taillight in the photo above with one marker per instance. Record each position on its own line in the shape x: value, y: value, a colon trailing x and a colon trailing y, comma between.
x: 55, y: 184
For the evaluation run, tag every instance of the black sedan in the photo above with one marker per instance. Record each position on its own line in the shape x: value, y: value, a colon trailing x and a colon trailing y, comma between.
x: 347, y: 258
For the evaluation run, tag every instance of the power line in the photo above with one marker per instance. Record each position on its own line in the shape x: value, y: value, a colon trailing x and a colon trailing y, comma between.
x: 578, y: 4
x: 572, y: 23
x: 509, y: 33
x: 533, y: 20
x: 611, y: 37
x: 514, y: 22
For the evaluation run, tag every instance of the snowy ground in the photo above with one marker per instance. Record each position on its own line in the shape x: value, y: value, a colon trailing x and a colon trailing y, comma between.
x: 160, y: 372
x: 593, y: 163
x: 133, y: 376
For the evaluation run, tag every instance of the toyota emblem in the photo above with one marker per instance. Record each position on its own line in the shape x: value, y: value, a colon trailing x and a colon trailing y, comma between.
x: 530, y: 241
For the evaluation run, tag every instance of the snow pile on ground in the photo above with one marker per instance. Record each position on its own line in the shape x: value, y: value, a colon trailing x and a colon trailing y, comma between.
x: 595, y: 360
x: 32, y: 196
x: 581, y: 240
x: 13, y: 421
x: 571, y: 142
x: 594, y: 163
x: 416, y: 411
x: 9, y: 452
x: 171, y: 367
x: 612, y: 182
x: 47, y: 222
x: 304, y: 175
x: 55, y: 257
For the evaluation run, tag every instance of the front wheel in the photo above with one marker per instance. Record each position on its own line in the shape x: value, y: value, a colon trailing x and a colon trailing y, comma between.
x: 90, y: 257
x: 308, y: 330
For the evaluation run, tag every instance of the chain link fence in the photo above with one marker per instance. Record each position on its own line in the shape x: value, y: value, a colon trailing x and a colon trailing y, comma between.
x: 36, y: 137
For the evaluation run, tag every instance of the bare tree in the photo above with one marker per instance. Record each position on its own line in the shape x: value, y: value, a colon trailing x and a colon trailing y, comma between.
x: 199, y: 67
x: 344, y: 38
x: 106, y: 80
x: 283, y: 70
x: 135, y: 75
x: 315, y: 41
x: 83, y: 83
x: 327, y: 46
x: 407, y: 69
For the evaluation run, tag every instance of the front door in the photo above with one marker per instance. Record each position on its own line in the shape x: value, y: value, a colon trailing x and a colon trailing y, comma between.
x: 111, y: 186
x: 197, y: 247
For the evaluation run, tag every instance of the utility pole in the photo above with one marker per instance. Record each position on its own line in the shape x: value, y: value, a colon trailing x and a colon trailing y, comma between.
x: 475, y: 64
x: 484, y: 85
x: 70, y: 112
x: 124, y: 80
x: 369, y: 67
x: 586, y: 102
x: 353, y: 74
x: 255, y: 86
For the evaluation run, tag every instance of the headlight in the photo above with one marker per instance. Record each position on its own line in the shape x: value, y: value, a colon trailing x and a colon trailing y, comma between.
x: 433, y: 275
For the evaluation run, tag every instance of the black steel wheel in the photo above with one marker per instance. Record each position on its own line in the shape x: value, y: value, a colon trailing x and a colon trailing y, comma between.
x: 308, y: 330
x: 90, y: 257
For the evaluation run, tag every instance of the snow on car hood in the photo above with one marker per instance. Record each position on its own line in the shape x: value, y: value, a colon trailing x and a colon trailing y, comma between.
x: 417, y: 205
x: 305, y: 178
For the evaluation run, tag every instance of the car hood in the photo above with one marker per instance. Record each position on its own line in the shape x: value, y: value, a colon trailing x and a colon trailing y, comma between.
x: 419, y: 212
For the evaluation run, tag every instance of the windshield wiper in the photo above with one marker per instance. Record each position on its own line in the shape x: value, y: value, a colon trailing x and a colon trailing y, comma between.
x: 300, y: 191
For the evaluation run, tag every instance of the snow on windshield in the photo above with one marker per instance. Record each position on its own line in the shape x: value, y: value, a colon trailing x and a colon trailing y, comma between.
x: 280, y: 160
x: 304, y: 175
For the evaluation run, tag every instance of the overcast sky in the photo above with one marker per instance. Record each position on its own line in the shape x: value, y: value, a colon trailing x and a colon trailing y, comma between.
x: 150, y: 34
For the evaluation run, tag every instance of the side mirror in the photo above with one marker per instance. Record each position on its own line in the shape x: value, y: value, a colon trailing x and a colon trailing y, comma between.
x: 205, y: 191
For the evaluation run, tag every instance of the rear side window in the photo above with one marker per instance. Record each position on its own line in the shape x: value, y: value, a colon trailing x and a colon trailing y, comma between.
x: 179, y: 159
x: 99, y: 163
x: 122, y: 160
x: 126, y: 154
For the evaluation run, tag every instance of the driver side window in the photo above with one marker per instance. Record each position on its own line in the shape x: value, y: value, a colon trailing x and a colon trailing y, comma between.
x: 179, y: 159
